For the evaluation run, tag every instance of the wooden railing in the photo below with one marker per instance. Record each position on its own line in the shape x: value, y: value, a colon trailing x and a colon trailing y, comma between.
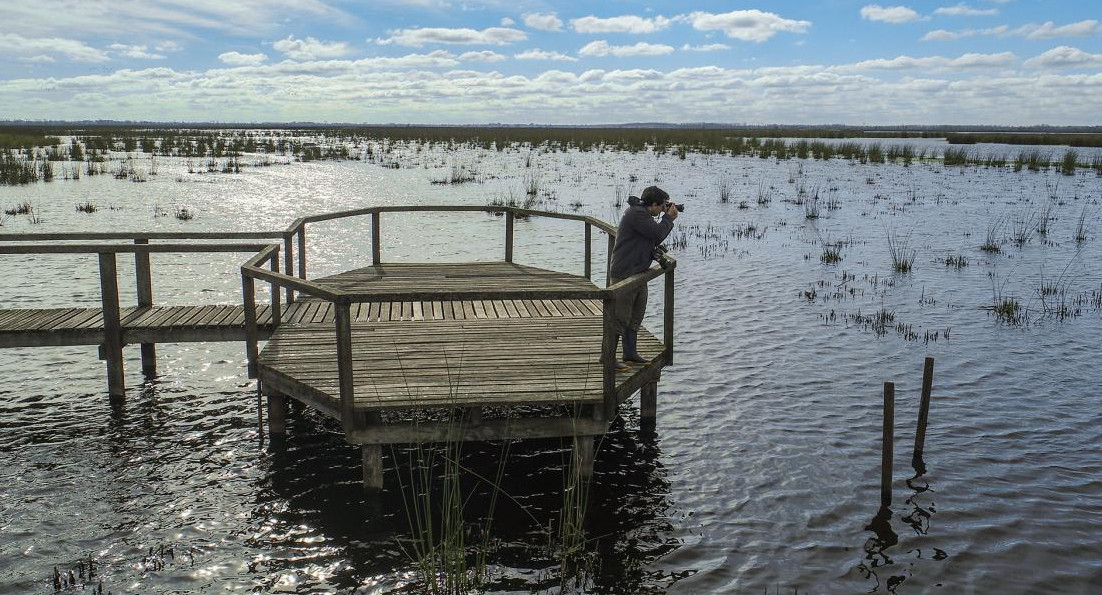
x: 253, y: 270
x: 108, y: 275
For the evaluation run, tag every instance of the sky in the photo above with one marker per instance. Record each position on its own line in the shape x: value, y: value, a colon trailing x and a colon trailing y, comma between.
x: 1002, y: 62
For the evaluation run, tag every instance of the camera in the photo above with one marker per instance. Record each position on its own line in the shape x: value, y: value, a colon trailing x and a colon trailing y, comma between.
x: 659, y: 254
x: 680, y: 207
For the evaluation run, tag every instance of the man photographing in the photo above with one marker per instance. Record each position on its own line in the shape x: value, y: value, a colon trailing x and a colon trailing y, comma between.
x: 636, y: 239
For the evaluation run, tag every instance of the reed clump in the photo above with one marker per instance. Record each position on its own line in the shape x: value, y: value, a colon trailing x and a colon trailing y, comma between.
x: 903, y: 256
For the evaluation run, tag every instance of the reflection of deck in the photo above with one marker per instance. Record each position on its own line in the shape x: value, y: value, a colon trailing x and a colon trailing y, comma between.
x: 465, y: 355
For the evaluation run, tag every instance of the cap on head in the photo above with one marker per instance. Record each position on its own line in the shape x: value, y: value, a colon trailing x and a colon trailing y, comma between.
x: 653, y: 195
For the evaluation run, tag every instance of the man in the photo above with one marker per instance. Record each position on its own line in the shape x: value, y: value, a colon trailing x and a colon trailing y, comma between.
x: 636, y: 239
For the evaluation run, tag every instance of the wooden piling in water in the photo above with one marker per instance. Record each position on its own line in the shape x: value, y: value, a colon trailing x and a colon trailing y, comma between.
x: 143, y: 272
x: 583, y: 455
x: 648, y: 403
x: 887, y: 445
x: 112, y: 326
x: 277, y: 415
x: 924, y: 407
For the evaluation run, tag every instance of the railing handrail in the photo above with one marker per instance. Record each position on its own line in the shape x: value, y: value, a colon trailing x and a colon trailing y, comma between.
x: 127, y: 248
x: 140, y: 235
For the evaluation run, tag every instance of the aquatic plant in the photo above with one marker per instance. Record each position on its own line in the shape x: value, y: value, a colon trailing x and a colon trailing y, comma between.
x: 1005, y: 308
x: 1067, y: 166
x: 1081, y: 227
x: 1022, y: 228
x: 991, y: 242
x: 86, y: 207
x: 903, y: 256
x: 23, y: 208
x: 183, y: 213
x: 957, y: 261
x: 724, y: 189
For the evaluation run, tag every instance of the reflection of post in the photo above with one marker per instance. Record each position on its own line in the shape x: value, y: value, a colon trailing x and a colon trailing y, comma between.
x: 648, y: 404
x: 145, y: 300
x: 924, y: 408
x: 889, y: 436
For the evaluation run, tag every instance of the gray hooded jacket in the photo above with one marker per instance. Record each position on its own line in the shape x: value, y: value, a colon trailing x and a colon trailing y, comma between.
x: 636, y: 238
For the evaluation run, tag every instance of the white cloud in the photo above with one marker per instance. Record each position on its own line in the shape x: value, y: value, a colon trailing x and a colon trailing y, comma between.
x: 366, y: 91
x: 963, y: 10
x: 12, y: 44
x: 543, y: 21
x: 169, y: 18
x: 460, y: 36
x: 140, y: 52
x: 1049, y: 30
x: 483, y: 56
x: 538, y: 54
x: 239, y: 59
x: 964, y: 62
x: 1029, y: 31
x: 311, y: 49
x: 889, y: 14
x: 942, y: 35
x: 711, y: 47
x: 621, y: 24
x: 507, y: 22
x: 1064, y: 57
x: 603, y: 48
x: 168, y: 46
x: 746, y: 25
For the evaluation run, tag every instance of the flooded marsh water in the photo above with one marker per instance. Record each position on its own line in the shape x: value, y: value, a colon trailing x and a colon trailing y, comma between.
x: 763, y: 473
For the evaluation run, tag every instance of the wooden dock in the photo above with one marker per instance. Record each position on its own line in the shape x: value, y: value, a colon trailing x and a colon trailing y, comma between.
x: 391, y: 350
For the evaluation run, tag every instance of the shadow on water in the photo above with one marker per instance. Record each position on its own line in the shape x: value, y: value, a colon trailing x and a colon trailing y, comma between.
x: 319, y: 522
x: 878, y: 560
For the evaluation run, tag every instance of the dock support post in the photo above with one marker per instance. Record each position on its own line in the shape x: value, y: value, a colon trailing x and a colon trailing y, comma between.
x: 583, y: 455
x: 289, y: 263
x: 112, y: 326
x: 648, y: 403
x: 887, y: 445
x: 588, y: 250
x: 252, y: 350
x: 144, y: 276
x: 376, y: 243
x: 373, y: 467
x: 924, y: 408
x: 302, y: 252
x: 608, y: 357
x: 509, y: 236
x: 277, y: 415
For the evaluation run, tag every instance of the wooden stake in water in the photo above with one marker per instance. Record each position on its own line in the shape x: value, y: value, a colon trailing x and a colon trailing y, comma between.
x: 924, y: 406
x: 888, y: 441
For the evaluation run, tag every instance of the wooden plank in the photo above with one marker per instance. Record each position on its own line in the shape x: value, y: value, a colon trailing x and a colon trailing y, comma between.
x: 373, y: 315
x: 479, y: 309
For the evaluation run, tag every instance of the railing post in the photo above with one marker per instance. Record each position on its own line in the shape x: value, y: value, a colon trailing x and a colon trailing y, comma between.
x: 376, y: 246
x: 112, y: 326
x: 277, y: 307
x: 667, y: 321
x: 143, y: 272
x: 289, y: 262
x: 608, y: 356
x: 608, y: 265
x: 588, y: 250
x: 302, y: 252
x: 248, y: 291
x: 343, y: 321
x: 509, y: 236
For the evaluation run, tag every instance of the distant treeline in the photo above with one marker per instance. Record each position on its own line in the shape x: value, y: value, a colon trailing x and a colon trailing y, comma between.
x: 1014, y: 138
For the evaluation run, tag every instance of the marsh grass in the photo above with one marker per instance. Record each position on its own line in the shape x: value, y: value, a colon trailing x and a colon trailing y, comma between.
x: 1067, y: 165
x: 1006, y: 308
x: 811, y: 209
x: 1081, y: 227
x: 86, y: 207
x: 1045, y: 217
x: 957, y: 261
x: 724, y: 189
x: 23, y: 208
x: 765, y: 194
x: 832, y: 251
x: 183, y: 213
x: 992, y: 238
x: 1022, y: 228
x: 903, y: 256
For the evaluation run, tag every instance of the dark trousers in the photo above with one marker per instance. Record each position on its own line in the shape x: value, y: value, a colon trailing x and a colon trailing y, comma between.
x: 630, y: 308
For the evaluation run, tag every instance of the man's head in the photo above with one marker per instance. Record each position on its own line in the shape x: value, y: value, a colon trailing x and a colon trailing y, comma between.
x: 653, y: 198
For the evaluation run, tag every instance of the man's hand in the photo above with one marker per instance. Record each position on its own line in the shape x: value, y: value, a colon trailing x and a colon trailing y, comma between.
x: 671, y: 211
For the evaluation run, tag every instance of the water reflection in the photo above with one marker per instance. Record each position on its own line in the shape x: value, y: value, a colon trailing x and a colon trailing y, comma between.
x: 320, y: 529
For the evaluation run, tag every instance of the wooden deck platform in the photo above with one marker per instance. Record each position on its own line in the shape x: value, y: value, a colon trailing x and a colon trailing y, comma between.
x: 468, y: 355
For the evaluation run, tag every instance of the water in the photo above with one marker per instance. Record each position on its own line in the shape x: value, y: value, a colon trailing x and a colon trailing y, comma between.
x: 764, y: 471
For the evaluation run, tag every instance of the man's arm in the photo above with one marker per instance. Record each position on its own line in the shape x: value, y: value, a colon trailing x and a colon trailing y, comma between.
x: 655, y: 231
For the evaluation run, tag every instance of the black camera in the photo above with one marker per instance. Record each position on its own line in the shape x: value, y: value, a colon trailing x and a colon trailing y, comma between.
x: 659, y: 254
x: 680, y: 207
